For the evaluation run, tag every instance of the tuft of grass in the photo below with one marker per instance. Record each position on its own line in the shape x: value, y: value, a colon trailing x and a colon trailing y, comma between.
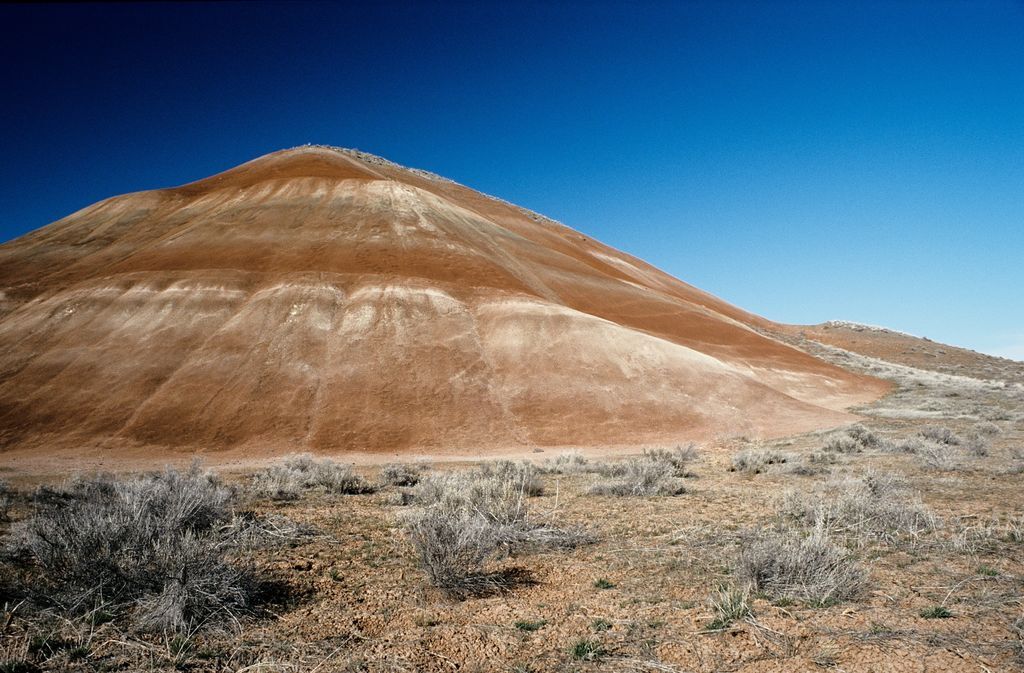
x: 530, y: 626
x: 811, y: 569
x: 587, y: 649
x: 987, y: 571
x: 827, y: 655
x: 936, y: 612
x: 600, y: 625
x: 730, y: 603
x: 297, y: 474
x: 602, y: 583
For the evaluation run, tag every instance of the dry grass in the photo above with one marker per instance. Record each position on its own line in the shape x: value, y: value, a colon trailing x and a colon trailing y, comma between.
x: 729, y: 604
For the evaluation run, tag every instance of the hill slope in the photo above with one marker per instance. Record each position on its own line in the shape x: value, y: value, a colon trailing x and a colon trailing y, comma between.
x: 326, y: 299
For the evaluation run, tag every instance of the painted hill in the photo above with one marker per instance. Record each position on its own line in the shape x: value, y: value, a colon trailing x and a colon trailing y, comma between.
x: 329, y: 300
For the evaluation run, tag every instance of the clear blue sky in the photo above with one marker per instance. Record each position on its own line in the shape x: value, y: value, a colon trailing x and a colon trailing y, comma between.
x: 806, y: 161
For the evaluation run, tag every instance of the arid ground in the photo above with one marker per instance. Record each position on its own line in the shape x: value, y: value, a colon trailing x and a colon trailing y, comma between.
x: 921, y: 503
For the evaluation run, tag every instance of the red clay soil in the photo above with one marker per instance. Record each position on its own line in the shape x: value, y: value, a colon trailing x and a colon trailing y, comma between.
x: 327, y: 300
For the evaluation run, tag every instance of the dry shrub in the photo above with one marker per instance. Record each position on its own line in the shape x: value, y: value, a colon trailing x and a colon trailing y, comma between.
x: 454, y: 548
x: 853, y: 439
x: 468, y: 519
x: 938, y: 456
x: 868, y: 507
x: 680, y: 457
x: 299, y: 473
x: 756, y: 461
x: 811, y: 569
x: 987, y: 429
x: 976, y: 444
x: 813, y: 463
x: 401, y: 474
x: 570, y: 462
x: 842, y: 444
x: 863, y: 436
x: 938, y: 448
x: 5, y: 500
x: 650, y: 474
x: 158, y: 544
x: 940, y: 435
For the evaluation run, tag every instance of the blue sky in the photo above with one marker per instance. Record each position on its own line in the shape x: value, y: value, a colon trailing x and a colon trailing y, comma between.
x: 806, y: 161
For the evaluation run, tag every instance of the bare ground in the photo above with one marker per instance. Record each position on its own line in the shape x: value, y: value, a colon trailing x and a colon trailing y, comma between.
x: 353, y: 598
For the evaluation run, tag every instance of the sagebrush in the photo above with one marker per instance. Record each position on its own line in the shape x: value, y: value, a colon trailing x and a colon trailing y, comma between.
x: 296, y: 474
x: 655, y: 472
x: 871, y: 506
x: 807, y: 568
x: 157, y: 546
x: 466, y: 520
